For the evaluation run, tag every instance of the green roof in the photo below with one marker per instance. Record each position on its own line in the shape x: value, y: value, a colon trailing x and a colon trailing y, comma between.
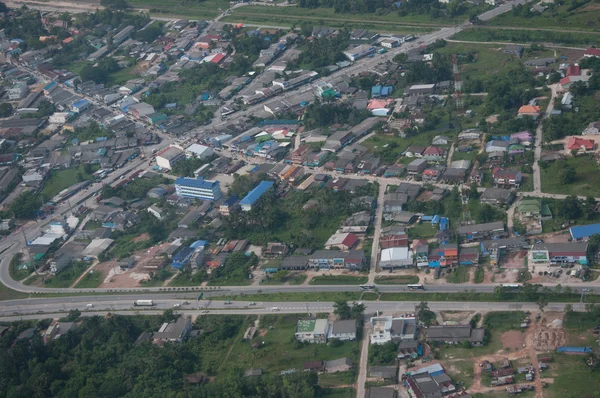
x: 546, y: 211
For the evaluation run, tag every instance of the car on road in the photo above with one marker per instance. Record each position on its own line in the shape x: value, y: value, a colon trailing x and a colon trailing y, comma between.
x: 252, y: 303
x: 275, y: 309
x: 205, y: 312
x: 89, y: 306
x: 227, y: 302
x: 177, y: 305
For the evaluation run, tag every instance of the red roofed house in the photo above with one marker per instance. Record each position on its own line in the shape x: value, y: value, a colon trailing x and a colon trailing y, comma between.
x: 341, y: 241
x: 389, y: 241
x: 218, y: 58
x: 529, y: 110
x: 592, y: 52
x: 434, y: 153
x: 431, y: 174
x: 580, y: 144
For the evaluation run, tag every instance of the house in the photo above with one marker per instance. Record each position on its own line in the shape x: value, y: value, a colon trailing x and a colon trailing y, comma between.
x: 58, y: 329
x: 469, y: 256
x: 156, y: 212
x: 355, y: 53
x: 592, y: 129
x: 456, y: 334
x: 409, y: 349
x: 394, y: 202
x: 512, y: 49
x: 496, y: 146
x: 592, y: 52
x: 190, y: 218
x: 380, y: 392
x: 338, y: 365
x: 17, y: 91
x: 174, y: 332
x: 198, y: 151
x: 469, y: 135
x: 559, y: 253
x: 253, y: 373
x: 475, y: 232
x: 383, y: 372
x: 312, y: 330
x: 529, y: 208
x: 434, y: 154
x: 391, y: 240
x: 343, y: 330
x: 343, y: 241
x: 198, y: 188
x: 440, y: 140
x: 533, y: 111
x: 421, y: 89
x: 414, y: 151
x: 253, y: 196
x: 498, y: 248
x: 314, y: 366
x: 387, y: 328
x: 507, y: 178
x: 431, y: 385
x: 417, y: 166
x: 581, y: 145
x: 168, y: 157
x: 443, y: 256
x: 497, y: 196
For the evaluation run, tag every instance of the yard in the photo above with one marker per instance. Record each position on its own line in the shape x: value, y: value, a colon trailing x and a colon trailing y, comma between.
x: 67, y: 276
x: 63, y: 179
x: 278, y: 350
x: 338, y: 280
x: 587, y: 181
x: 572, y: 377
x: 459, y: 275
x: 92, y: 279
x: 423, y: 230
x: 461, y: 373
x: 290, y: 278
x: 207, y: 9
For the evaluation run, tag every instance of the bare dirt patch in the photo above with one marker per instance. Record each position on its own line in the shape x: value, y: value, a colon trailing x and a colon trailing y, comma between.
x: 143, y: 237
x: 549, y: 332
x: 262, y: 332
x: 458, y: 317
x: 515, y: 260
x: 513, y: 339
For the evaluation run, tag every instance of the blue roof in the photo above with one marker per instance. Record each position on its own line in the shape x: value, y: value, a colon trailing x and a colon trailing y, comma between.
x: 585, y: 231
x: 81, y: 103
x: 183, y: 255
x: 196, y: 182
x: 230, y: 201
x: 375, y: 90
x: 256, y: 193
x: 50, y: 85
x: 387, y: 90
x: 199, y: 243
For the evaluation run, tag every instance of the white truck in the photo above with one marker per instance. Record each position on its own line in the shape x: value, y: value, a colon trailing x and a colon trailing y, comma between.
x: 143, y: 303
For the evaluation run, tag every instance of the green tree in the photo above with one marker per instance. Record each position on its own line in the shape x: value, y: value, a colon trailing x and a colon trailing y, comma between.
x: 6, y: 109
x: 542, y: 302
x: 342, y: 310
x: 424, y: 314
x: 26, y: 205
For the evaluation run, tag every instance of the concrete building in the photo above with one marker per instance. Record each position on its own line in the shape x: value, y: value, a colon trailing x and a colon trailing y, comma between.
x: 198, y: 151
x: 312, y: 330
x: 198, y: 188
x: 358, y: 52
x: 258, y: 191
x: 168, y: 157
x: 174, y: 332
x: 482, y: 231
x: 343, y: 330
x: 396, y: 257
x: 560, y: 253
x: 17, y: 91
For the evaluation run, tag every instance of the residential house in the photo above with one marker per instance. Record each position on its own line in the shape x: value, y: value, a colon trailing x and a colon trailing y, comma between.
x: 507, y: 178
x: 440, y: 140
x: 496, y: 146
x: 168, y: 157
x: 497, y: 196
x: 592, y: 129
x: 498, y: 248
x: 343, y: 330
x: 513, y: 49
x: 417, y: 166
x: 533, y: 111
x: 228, y: 205
x: 415, y: 151
x: 384, y: 372
x: 156, y: 212
x: 581, y: 145
x: 434, y: 154
x: 446, y: 255
x: 477, y: 232
x: 469, y: 256
x: 314, y: 366
x: 312, y: 330
x: 386, y: 328
x: 421, y: 253
x: 343, y: 241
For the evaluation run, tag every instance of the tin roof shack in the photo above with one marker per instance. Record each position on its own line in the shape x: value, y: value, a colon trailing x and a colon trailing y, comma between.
x: 456, y: 334
x: 338, y: 365
x: 492, y: 230
x: 384, y: 372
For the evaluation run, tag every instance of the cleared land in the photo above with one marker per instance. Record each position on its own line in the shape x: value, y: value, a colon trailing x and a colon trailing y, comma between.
x: 586, y: 183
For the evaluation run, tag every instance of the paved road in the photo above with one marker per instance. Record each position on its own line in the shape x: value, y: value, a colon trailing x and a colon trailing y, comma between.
x: 377, y: 231
x: 486, y: 16
x: 537, y: 178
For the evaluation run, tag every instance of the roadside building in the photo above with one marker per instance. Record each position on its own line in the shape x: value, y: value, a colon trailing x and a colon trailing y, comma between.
x: 344, y: 330
x: 249, y: 200
x: 198, y: 188
x: 174, y: 332
x: 560, y: 253
x: 456, y: 334
x: 312, y: 330
x: 475, y: 232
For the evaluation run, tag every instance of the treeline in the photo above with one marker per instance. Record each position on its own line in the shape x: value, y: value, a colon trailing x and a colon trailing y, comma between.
x: 434, y: 8
x: 101, y: 359
x: 320, y: 114
x: 324, y: 51
x: 526, y: 36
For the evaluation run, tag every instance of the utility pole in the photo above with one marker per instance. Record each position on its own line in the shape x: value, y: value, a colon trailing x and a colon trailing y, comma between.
x: 28, y: 257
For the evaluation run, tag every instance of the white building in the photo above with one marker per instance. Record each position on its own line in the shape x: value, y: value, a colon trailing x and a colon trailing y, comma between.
x: 312, y: 330
x: 198, y: 151
x: 156, y: 212
x: 396, y: 257
x: 198, y: 188
x: 168, y: 157
x: 33, y: 176
x: 59, y: 118
x: 18, y: 91
x: 358, y: 52
x: 386, y: 328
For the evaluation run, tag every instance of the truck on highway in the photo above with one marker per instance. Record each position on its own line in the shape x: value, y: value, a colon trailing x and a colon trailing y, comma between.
x: 143, y: 303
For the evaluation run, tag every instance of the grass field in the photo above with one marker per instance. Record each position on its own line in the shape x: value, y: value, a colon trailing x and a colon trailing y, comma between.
x: 291, y: 279
x: 280, y: 350
x: 397, y: 280
x: 422, y: 231
x: 91, y: 280
x: 461, y: 373
x: 62, y: 179
x: 338, y: 280
x: 502, y: 321
x: 572, y: 378
x: 376, y: 143
x: 479, y: 275
x: 584, y: 18
x: 15, y: 269
x: 586, y: 183
x: 206, y: 9
x: 457, y: 351
x: 9, y: 294
x: 526, y: 36
x: 459, y: 275
x: 67, y: 276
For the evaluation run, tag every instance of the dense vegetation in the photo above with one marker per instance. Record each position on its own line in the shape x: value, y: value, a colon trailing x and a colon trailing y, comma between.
x: 100, y: 359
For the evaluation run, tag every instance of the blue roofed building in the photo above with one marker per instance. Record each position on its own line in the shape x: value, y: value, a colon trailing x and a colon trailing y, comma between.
x: 182, y: 258
x: 583, y: 232
x: 198, y: 188
x: 80, y: 106
x: 258, y: 191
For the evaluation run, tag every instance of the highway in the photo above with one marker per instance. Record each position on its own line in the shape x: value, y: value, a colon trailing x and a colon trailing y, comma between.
x: 59, y: 307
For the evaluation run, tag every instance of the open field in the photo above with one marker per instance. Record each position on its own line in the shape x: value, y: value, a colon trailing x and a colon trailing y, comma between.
x: 584, y: 18
x: 91, y: 280
x: 527, y: 36
x: 206, y: 9
x: 397, y: 280
x: 586, y: 183
x: 63, y: 179
x: 459, y: 275
x: 67, y: 276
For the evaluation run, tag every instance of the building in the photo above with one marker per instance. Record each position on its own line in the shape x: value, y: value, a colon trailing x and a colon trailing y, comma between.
x: 497, y: 196
x: 174, y: 332
x: 559, y: 253
x: 584, y: 232
x: 417, y: 166
x: 58, y: 329
x: 343, y: 241
x: 386, y: 328
x: 358, y: 52
x: 421, y: 89
x: 198, y: 188
x: 513, y: 50
x: 338, y: 365
x: 533, y: 111
x: 343, y: 330
x: 496, y: 146
x: 198, y: 151
x: 156, y: 212
x: 396, y: 257
x: 380, y: 392
x: 383, y: 372
x: 456, y: 334
x: 168, y: 157
x: 498, y: 248
x: 228, y: 205
x: 475, y: 232
x: 581, y: 145
x: 249, y: 200
x: 507, y: 178
x: 312, y: 330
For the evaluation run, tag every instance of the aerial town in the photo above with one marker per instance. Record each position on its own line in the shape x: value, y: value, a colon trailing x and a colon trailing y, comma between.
x: 279, y: 198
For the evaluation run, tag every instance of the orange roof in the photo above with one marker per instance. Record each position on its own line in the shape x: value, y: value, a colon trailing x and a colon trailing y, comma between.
x: 529, y: 109
x: 578, y: 143
x: 377, y: 104
x: 67, y: 40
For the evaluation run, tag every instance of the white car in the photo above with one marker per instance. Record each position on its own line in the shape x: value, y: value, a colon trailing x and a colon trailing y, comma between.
x: 275, y: 309
x: 176, y: 305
